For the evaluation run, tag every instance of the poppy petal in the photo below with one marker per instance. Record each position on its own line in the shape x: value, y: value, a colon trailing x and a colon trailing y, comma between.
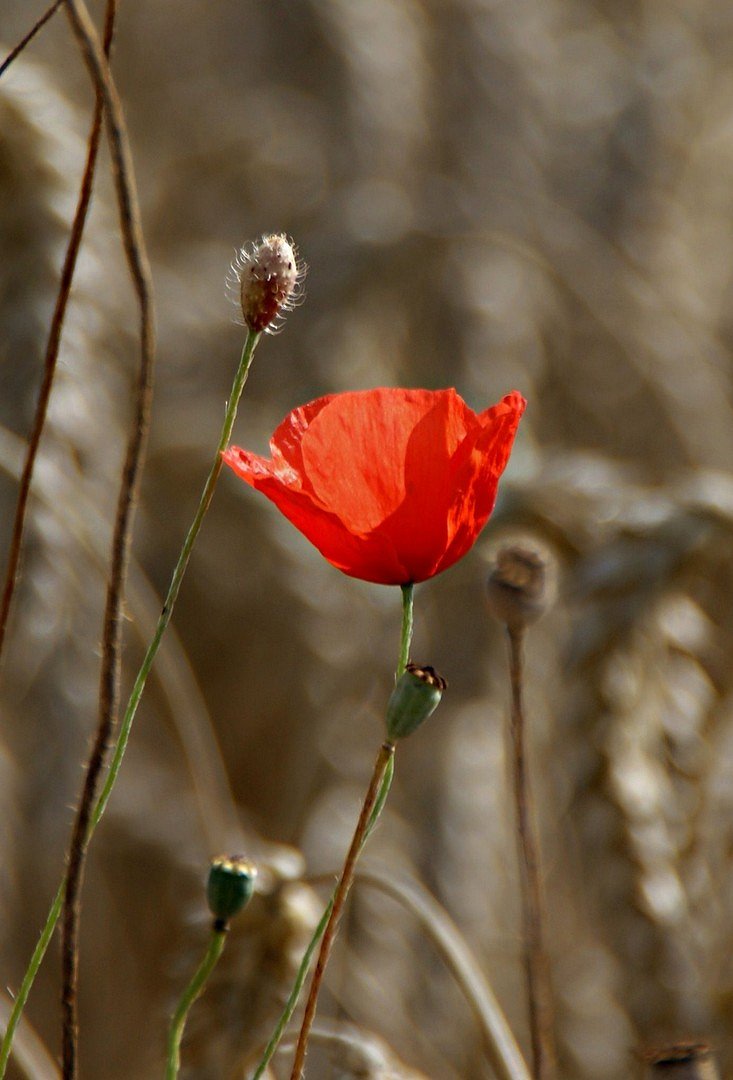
x: 369, y: 558
x: 391, y: 485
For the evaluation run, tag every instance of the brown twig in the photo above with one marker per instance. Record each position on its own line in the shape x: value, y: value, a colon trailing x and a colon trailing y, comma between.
x: 29, y: 36
x: 342, y: 890
x: 57, y: 322
x: 535, y: 958
x: 109, y: 680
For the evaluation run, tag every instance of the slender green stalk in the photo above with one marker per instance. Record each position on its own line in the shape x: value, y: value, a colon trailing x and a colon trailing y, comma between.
x: 192, y: 991
x: 408, y: 592
x: 165, y: 616
x: 381, y: 798
x: 32, y: 970
x: 138, y: 687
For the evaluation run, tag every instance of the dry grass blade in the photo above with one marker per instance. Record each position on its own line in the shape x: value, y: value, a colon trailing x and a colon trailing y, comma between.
x: 30, y: 1055
x: 505, y: 1055
x: 361, y: 1054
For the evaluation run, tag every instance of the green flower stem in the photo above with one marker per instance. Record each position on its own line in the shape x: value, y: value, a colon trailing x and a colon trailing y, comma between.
x: 408, y: 592
x: 32, y: 970
x: 192, y: 991
x: 165, y: 616
x: 382, y: 790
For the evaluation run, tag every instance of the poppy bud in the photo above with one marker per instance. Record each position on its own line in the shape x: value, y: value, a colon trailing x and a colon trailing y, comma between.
x: 415, y: 697
x: 229, y: 886
x: 518, y: 589
x: 265, y: 280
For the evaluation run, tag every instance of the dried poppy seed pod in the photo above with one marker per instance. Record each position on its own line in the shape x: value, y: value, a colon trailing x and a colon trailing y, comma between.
x: 415, y: 697
x: 518, y: 589
x: 265, y: 281
x: 682, y: 1061
x: 229, y: 887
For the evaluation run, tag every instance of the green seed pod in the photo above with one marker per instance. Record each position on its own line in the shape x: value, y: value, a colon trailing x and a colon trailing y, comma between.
x: 230, y: 886
x: 415, y: 697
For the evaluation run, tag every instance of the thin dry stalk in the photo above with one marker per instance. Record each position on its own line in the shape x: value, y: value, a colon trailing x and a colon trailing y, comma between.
x: 384, y: 756
x: 30, y: 1055
x: 535, y: 958
x: 112, y: 632
x: 38, y: 25
x: 57, y: 321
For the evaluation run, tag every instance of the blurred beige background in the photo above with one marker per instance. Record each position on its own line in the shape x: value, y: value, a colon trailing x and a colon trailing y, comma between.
x: 490, y: 196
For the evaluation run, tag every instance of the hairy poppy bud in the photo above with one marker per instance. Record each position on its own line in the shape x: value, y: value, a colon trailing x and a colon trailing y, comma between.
x: 415, y: 697
x: 229, y: 887
x: 265, y: 281
x: 518, y: 589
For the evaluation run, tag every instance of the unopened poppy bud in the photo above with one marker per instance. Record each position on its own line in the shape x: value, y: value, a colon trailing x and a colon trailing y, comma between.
x: 265, y: 281
x: 416, y: 696
x: 229, y: 887
x: 518, y: 589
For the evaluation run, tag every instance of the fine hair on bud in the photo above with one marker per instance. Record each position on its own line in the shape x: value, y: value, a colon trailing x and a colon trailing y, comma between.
x: 265, y: 282
x: 520, y: 585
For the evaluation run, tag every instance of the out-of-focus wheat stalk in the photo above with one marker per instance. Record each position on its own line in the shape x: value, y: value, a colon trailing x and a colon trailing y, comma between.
x: 504, y: 1054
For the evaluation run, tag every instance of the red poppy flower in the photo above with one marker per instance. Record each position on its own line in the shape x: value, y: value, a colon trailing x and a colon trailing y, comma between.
x: 391, y: 485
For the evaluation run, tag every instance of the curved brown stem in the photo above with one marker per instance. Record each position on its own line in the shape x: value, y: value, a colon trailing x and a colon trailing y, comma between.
x: 109, y: 680
x: 342, y: 890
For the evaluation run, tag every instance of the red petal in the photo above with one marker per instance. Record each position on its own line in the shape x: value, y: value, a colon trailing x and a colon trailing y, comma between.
x: 371, y: 559
x: 360, y: 457
x: 390, y: 485
x: 478, y: 466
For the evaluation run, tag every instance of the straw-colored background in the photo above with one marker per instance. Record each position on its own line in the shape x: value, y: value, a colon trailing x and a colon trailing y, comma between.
x: 489, y: 195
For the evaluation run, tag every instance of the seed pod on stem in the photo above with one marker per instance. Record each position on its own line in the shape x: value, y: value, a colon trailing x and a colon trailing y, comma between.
x: 519, y: 588
x: 415, y: 697
x: 229, y: 887
x: 517, y: 594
